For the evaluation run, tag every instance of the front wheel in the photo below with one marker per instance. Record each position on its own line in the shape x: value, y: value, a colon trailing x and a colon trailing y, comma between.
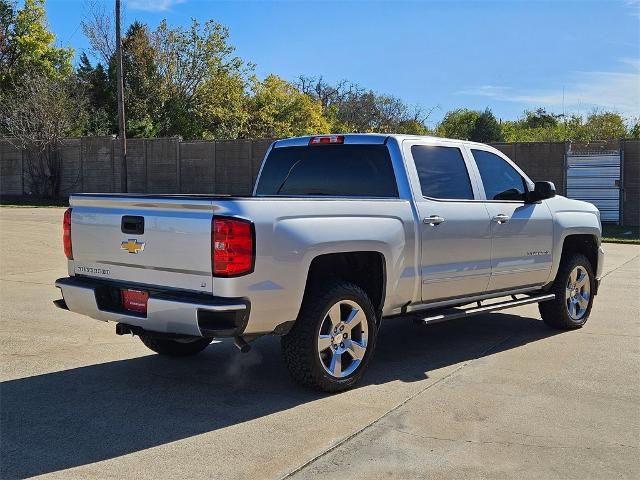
x: 175, y: 348
x: 332, y: 341
x: 574, y: 286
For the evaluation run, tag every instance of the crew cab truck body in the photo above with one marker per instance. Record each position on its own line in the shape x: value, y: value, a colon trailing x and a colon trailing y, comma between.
x: 341, y: 232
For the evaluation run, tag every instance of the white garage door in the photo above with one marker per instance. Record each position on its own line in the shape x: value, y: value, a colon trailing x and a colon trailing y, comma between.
x: 595, y: 178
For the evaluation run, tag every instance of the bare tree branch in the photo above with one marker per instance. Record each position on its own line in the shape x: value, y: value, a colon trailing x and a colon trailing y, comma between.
x: 99, y: 29
x: 37, y: 116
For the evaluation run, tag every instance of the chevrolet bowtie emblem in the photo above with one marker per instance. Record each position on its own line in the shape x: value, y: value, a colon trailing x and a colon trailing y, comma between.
x: 132, y: 246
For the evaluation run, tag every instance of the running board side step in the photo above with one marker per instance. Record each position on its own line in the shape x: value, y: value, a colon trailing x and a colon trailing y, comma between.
x: 494, y: 307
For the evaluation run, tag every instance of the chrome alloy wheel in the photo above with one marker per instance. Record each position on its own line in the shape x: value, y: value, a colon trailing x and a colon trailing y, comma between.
x: 578, y: 293
x: 342, y: 339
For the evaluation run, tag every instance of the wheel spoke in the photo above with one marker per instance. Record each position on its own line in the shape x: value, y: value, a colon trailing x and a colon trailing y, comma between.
x: 335, y: 315
x: 335, y: 367
x: 583, y: 301
x: 573, y: 276
x: 356, y: 350
x: 354, y: 318
x: 572, y: 309
x: 582, y: 278
x: 324, y: 342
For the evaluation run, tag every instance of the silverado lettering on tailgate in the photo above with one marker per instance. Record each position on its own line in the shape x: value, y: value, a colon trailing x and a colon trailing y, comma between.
x: 92, y: 270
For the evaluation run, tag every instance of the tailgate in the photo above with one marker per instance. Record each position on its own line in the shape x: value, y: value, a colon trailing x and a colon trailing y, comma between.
x: 164, y: 242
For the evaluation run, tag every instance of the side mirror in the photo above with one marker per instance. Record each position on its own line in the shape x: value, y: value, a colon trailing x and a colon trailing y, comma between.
x: 542, y: 191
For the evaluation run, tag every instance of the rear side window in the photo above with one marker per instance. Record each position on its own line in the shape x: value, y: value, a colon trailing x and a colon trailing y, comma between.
x: 501, y: 181
x: 442, y: 172
x: 335, y: 170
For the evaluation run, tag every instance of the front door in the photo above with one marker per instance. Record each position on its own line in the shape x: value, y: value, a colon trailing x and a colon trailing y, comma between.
x: 522, y: 233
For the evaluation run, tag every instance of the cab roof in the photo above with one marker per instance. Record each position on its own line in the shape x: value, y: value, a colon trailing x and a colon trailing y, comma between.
x: 367, y: 138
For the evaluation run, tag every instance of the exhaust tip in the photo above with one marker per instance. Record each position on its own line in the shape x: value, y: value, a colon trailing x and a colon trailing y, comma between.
x: 61, y: 304
x: 123, y: 329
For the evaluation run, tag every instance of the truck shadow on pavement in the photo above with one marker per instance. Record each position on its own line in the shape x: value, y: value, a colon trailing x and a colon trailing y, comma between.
x: 75, y: 417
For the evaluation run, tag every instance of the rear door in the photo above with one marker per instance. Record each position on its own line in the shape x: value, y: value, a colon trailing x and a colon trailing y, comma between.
x: 522, y: 233
x: 455, y: 229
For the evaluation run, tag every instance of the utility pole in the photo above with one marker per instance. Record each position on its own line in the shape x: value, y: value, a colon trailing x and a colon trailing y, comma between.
x: 121, y: 121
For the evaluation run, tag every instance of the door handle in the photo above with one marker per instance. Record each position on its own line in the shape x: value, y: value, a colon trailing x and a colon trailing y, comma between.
x: 433, y: 220
x: 502, y: 218
x: 132, y: 225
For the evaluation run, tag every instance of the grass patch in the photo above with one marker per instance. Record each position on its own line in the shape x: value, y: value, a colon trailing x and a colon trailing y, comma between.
x: 620, y: 234
x: 31, y: 202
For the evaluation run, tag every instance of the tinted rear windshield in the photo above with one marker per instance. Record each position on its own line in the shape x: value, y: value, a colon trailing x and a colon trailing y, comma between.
x: 336, y: 170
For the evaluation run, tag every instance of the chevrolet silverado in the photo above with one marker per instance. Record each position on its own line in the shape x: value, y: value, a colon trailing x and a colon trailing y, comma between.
x: 341, y: 233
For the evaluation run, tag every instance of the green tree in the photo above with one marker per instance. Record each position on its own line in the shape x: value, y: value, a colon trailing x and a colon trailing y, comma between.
x: 471, y: 125
x: 602, y: 125
x: 222, y: 106
x: 634, y: 129
x: 277, y: 109
x: 487, y: 128
x: 141, y: 82
x: 187, y: 61
x: 27, y: 46
x: 540, y: 118
x: 459, y: 123
x: 541, y: 126
x: 100, y: 92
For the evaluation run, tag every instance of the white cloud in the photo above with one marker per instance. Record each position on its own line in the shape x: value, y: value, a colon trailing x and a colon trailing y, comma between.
x: 634, y: 5
x: 619, y: 91
x: 153, y: 5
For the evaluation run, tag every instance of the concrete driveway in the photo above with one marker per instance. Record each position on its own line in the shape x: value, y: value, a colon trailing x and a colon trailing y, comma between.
x: 495, y: 396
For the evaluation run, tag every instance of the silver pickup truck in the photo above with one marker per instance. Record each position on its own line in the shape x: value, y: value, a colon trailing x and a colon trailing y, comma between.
x: 341, y: 233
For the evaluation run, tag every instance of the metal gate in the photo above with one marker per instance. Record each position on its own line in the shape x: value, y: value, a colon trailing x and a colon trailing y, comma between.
x: 595, y: 178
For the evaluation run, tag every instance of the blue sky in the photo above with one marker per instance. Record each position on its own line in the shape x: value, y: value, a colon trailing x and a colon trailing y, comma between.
x: 506, y: 55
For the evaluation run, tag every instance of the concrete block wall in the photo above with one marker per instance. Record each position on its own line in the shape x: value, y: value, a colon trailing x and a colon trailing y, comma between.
x: 97, y: 165
x: 162, y: 166
x: 71, y: 175
x: 631, y: 182
x: 233, y: 167
x: 136, y: 165
x: 11, y: 166
x: 197, y: 167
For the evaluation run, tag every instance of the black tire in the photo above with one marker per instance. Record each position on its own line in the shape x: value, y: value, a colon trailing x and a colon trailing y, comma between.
x: 300, y: 346
x: 555, y: 313
x: 175, y: 348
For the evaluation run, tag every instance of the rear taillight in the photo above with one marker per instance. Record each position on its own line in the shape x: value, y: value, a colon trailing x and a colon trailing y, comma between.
x: 327, y: 140
x: 66, y: 234
x: 232, y: 247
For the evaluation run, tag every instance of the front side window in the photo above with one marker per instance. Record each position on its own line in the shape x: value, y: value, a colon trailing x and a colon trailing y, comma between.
x: 501, y: 181
x: 442, y: 172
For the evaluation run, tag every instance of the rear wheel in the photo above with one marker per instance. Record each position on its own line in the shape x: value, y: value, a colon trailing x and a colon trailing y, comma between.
x: 175, y: 347
x: 332, y: 341
x: 574, y: 286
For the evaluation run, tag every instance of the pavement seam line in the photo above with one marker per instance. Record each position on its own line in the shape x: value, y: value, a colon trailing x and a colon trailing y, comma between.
x: 519, y: 444
x: 393, y: 409
x: 620, y: 266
